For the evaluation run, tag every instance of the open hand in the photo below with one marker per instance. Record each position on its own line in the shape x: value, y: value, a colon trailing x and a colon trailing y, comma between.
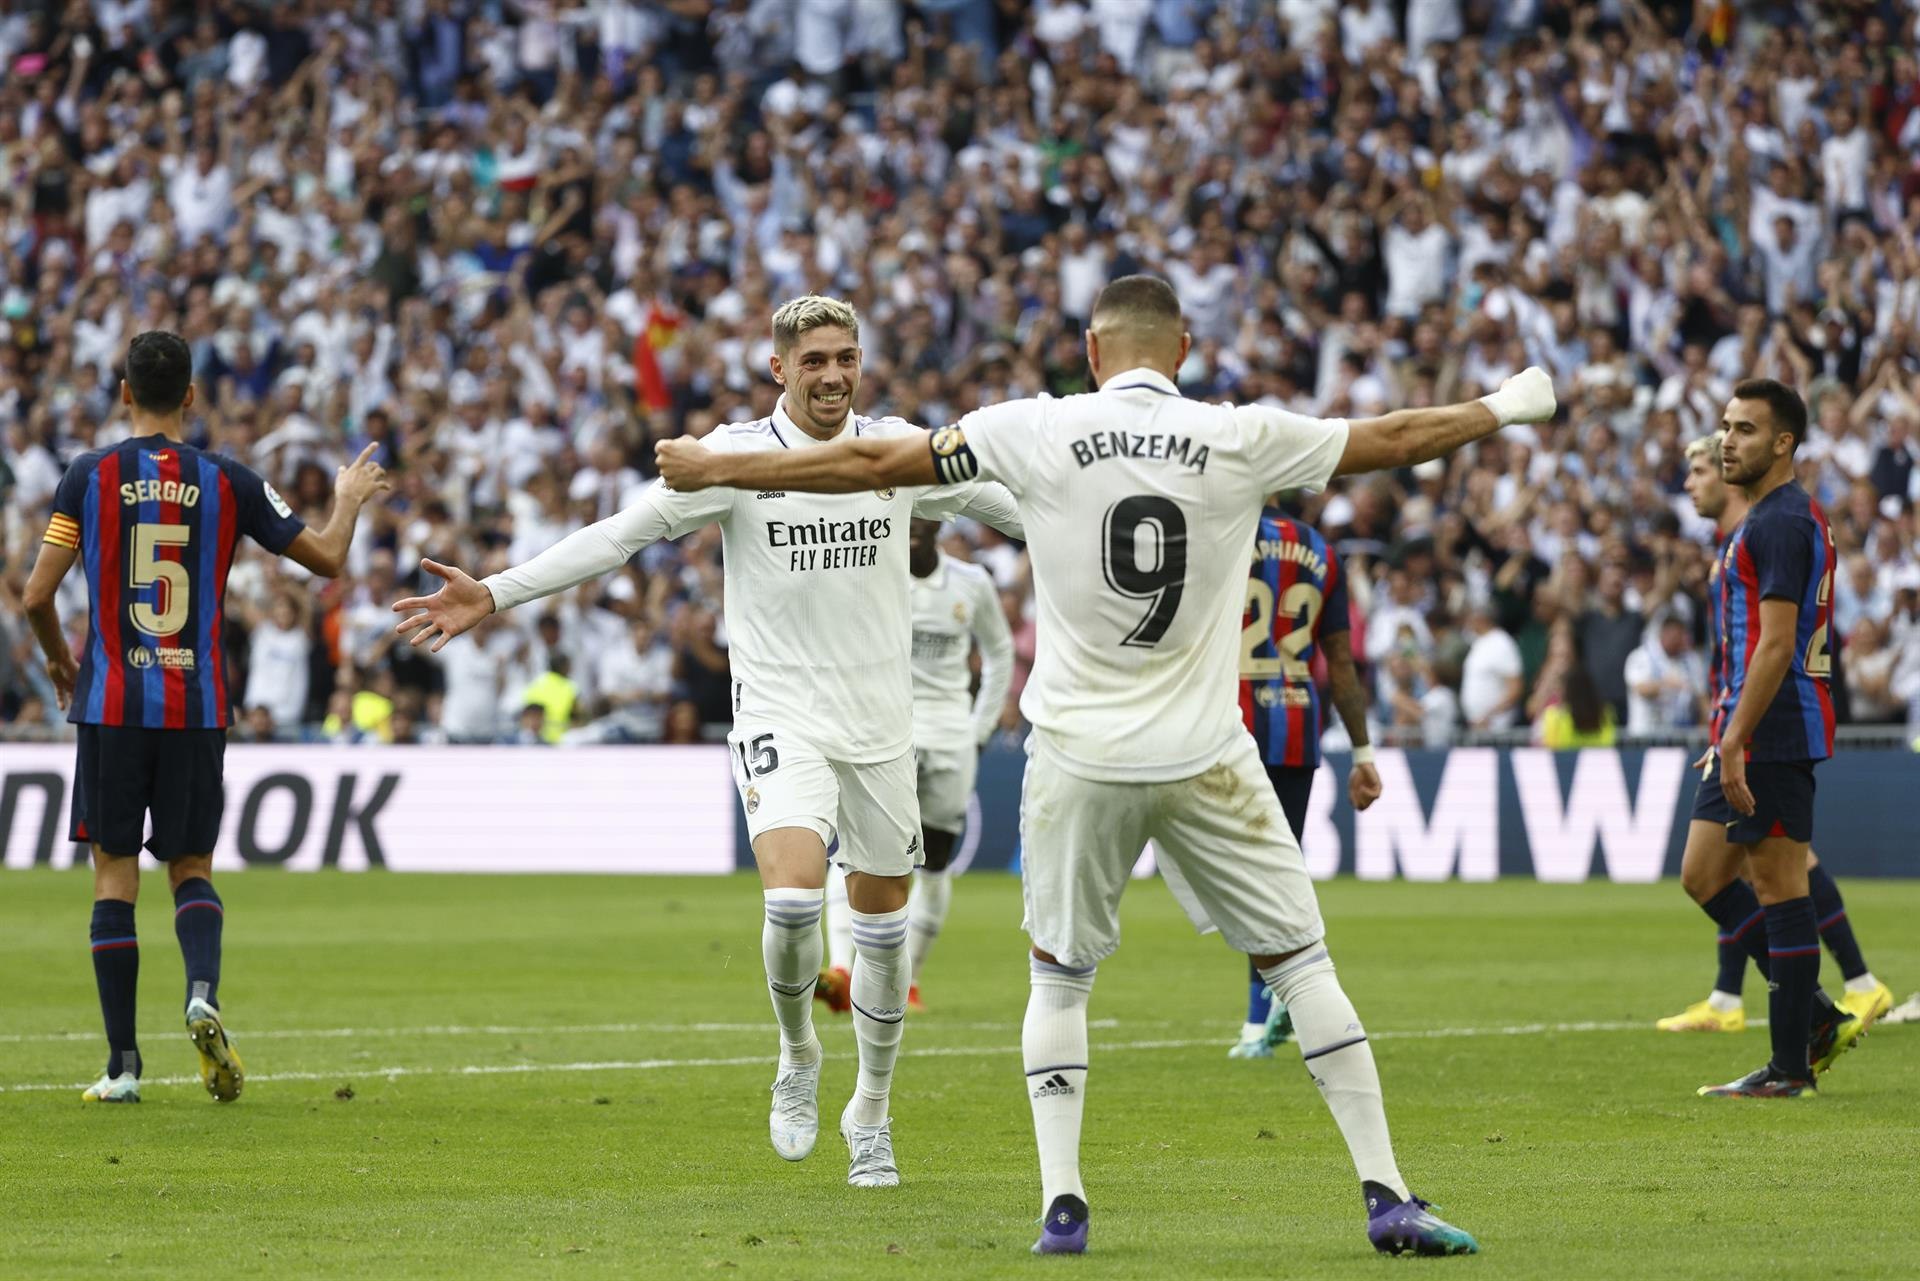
x: 455, y: 608
x: 686, y: 465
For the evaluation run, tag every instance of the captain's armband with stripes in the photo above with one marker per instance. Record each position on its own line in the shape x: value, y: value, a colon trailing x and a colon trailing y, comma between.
x: 953, y: 458
x: 63, y: 531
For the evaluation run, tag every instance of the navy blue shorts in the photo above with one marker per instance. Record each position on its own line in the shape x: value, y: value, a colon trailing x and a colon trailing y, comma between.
x: 1782, y: 802
x: 126, y: 772
x: 1293, y: 784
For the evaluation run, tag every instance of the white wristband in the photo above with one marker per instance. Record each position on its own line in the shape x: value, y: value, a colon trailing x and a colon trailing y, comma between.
x: 1363, y: 754
x: 1500, y: 404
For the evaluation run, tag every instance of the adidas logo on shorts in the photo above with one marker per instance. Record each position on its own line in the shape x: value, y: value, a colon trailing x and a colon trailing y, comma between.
x: 1055, y: 1084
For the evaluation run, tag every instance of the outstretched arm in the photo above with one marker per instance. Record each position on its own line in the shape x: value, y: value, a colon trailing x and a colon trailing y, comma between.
x: 588, y: 553
x: 844, y: 467
x: 1410, y: 436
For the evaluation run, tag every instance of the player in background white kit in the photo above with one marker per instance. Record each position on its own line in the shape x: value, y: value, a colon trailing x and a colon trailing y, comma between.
x: 955, y: 607
x: 818, y: 615
x: 1140, y: 510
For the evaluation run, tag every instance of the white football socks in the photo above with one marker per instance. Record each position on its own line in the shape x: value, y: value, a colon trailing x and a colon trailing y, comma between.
x: 1865, y: 983
x: 1334, y: 1047
x: 790, y: 945
x: 1053, y: 1046
x: 839, y: 920
x: 1723, y: 1002
x: 926, y: 913
x: 880, y: 980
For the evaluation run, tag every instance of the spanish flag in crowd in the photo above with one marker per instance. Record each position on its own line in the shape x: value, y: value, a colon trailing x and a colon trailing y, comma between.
x: 1720, y: 24
x: 658, y: 336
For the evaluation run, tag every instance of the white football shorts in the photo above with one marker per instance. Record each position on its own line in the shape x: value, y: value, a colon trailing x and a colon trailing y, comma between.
x: 946, y: 783
x: 1224, y: 846
x: 871, y: 809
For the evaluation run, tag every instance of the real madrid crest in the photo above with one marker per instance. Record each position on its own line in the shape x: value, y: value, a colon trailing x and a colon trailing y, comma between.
x: 959, y: 612
x: 884, y: 495
x: 753, y: 798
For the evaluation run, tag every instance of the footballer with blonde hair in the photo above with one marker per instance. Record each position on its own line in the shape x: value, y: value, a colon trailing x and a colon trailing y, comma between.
x: 820, y: 620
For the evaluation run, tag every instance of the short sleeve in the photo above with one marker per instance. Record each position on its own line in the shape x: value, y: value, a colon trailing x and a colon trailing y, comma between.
x: 1335, y: 616
x: 1782, y: 555
x: 995, y: 443
x: 1291, y: 451
x: 63, y: 527
x: 1639, y: 668
x: 259, y: 511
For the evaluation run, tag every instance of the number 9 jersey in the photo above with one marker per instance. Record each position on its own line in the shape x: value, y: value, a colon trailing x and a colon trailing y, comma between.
x: 1139, y: 507
x: 155, y: 523
x: 1295, y: 593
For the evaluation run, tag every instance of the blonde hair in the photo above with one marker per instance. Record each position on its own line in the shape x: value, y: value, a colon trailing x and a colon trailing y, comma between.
x: 799, y: 315
x: 1706, y: 444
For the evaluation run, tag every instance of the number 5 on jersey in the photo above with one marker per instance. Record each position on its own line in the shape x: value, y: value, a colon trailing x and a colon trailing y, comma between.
x: 166, y: 613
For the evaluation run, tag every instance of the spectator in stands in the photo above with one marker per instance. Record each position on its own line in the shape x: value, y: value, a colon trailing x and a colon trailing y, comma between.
x: 515, y: 247
x: 1491, y: 686
x: 1666, y: 681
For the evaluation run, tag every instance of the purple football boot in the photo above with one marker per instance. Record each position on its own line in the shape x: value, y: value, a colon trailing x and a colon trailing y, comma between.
x: 1411, y: 1225
x: 1064, y: 1230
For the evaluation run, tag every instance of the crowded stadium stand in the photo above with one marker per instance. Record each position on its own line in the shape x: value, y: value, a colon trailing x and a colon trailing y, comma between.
x: 514, y: 243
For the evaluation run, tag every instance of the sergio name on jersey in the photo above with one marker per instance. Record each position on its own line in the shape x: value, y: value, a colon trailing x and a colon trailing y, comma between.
x: 1141, y: 507
x: 816, y: 585
x: 156, y: 523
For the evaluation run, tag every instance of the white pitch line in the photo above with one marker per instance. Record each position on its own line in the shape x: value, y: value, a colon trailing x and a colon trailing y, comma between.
x: 355, y: 1033
x: 750, y: 1060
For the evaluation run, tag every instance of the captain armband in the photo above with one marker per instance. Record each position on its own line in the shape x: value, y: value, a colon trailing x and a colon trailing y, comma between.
x: 953, y: 458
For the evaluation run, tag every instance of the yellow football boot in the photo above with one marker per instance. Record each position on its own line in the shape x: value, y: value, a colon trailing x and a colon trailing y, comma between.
x: 1702, y: 1017
x: 1868, y: 1006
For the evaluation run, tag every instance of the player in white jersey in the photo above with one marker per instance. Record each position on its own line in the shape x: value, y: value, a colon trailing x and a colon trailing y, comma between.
x: 819, y: 619
x: 1140, y: 510
x: 955, y: 607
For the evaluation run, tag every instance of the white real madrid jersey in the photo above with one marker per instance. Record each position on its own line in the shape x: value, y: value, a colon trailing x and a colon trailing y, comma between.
x: 817, y: 612
x: 953, y: 607
x: 1140, y: 508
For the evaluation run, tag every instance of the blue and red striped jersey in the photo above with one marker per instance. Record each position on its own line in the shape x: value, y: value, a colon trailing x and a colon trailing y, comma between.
x: 1296, y: 594
x: 1716, y: 627
x: 155, y: 522
x: 1783, y: 550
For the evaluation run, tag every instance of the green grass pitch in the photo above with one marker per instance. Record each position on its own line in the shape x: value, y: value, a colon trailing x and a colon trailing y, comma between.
x: 560, y: 1077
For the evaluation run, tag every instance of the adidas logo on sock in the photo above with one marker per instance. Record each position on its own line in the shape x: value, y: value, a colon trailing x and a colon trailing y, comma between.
x: 1055, y: 1084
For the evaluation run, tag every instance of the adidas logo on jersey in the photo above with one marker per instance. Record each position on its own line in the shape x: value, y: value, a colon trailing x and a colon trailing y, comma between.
x: 1053, y: 1085
x: 771, y: 493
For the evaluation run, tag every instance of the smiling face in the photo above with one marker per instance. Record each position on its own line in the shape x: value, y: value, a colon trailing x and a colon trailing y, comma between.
x: 821, y: 372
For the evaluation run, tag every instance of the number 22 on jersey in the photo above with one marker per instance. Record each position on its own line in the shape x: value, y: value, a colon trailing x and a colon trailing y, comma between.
x: 1300, y: 603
